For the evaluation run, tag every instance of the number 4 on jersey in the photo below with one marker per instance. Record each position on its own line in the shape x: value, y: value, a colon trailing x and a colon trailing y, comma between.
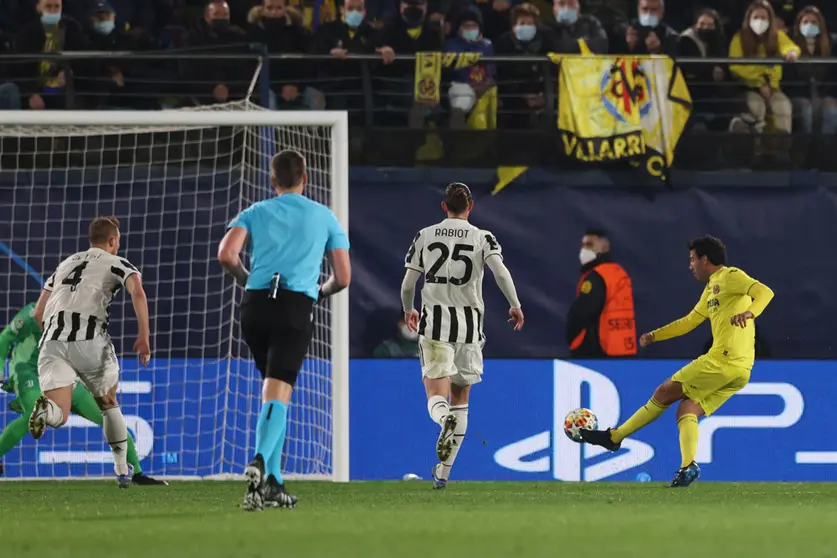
x: 74, y: 277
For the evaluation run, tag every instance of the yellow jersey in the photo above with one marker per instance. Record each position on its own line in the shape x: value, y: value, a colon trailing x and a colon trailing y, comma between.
x: 727, y: 294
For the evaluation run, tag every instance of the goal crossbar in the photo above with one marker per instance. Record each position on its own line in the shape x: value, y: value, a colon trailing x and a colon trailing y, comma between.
x: 198, y: 118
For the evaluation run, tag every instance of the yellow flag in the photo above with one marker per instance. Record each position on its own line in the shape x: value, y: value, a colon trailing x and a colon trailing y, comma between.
x: 507, y: 175
x: 622, y: 108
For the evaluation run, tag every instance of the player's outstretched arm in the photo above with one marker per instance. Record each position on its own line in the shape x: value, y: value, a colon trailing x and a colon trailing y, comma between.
x: 504, y: 280
x: 140, y: 301
x: 229, y: 251
x: 341, y: 273
x: 674, y: 329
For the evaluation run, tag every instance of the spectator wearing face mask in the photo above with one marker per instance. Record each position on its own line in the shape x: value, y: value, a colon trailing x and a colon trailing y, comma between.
x: 410, y: 32
x: 649, y: 34
x: 117, y: 82
x: 810, y: 86
x: 569, y: 25
x: 280, y: 29
x: 42, y: 83
x: 708, y: 84
x: 759, y: 38
x: 216, y: 80
x: 601, y: 321
x: 402, y: 344
x: 469, y: 85
x: 341, y: 79
x: 522, y: 87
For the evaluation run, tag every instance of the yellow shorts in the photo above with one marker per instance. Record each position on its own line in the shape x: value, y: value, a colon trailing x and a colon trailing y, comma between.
x: 709, y: 382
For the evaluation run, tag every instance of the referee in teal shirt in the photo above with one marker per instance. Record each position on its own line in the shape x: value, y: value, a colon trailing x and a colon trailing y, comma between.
x: 288, y: 236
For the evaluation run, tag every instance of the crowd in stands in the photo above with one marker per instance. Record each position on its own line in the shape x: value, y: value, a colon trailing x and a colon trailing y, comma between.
x: 798, y: 95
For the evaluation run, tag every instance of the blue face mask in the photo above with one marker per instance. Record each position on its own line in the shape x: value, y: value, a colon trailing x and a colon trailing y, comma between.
x: 525, y: 33
x: 104, y: 27
x: 566, y: 15
x: 649, y: 20
x: 354, y: 18
x: 51, y: 19
x: 809, y: 30
x: 471, y: 34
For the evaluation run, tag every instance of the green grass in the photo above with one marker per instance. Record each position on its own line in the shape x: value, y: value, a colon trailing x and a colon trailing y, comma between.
x: 407, y: 519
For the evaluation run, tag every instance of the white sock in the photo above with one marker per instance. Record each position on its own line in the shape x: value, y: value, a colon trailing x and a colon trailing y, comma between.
x: 439, y: 408
x: 116, y: 433
x: 54, y: 415
x: 461, y: 414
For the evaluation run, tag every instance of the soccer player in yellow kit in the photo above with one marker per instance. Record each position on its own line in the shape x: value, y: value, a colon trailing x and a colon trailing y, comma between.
x: 731, y: 300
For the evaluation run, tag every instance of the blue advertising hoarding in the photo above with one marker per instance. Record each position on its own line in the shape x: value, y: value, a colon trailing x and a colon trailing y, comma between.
x: 189, y: 420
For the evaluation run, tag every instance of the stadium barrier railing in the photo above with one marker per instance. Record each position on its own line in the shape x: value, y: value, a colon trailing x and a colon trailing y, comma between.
x: 380, y: 99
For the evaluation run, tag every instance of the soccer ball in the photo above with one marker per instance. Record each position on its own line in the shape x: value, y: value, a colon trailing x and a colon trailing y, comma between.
x: 578, y: 419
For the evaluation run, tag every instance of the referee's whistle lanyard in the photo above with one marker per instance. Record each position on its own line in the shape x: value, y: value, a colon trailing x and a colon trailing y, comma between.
x: 274, y: 285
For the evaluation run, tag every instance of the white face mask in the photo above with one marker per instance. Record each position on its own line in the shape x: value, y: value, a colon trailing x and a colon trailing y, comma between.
x: 586, y: 256
x: 407, y: 333
x: 759, y: 26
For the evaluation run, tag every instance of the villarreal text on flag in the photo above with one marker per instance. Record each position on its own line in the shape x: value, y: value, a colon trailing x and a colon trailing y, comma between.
x: 612, y: 108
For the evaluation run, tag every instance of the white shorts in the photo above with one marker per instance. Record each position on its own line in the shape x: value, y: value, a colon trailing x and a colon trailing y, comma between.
x: 63, y: 363
x: 461, y: 362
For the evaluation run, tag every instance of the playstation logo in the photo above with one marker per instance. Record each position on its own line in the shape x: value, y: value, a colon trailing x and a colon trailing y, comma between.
x: 567, y: 460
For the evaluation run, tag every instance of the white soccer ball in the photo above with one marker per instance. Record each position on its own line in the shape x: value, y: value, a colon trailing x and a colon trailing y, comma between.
x: 577, y: 420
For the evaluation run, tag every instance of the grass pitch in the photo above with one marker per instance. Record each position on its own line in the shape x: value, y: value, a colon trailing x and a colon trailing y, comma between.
x: 408, y: 519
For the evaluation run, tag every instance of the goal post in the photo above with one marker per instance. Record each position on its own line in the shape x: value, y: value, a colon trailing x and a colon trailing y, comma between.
x: 175, y: 178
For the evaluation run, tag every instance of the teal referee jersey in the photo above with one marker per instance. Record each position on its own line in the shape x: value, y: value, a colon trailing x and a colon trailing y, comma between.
x: 289, y: 235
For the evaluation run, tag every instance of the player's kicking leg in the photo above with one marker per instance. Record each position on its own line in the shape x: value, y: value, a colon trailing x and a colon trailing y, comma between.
x: 666, y: 394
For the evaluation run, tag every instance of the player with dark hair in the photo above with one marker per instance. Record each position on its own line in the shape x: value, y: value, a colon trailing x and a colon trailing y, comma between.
x: 74, y: 308
x: 731, y: 301
x: 287, y: 236
x: 452, y: 256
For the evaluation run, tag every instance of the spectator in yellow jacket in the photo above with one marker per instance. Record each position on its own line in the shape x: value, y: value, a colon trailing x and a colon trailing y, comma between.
x: 760, y: 38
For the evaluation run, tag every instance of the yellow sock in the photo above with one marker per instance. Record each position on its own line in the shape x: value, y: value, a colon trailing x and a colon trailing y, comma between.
x: 644, y: 416
x: 688, y: 425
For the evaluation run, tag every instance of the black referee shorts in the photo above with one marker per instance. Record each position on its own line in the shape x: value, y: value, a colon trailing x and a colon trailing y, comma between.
x: 278, y: 331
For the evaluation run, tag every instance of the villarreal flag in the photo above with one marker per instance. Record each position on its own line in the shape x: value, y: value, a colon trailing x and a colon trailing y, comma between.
x: 622, y: 108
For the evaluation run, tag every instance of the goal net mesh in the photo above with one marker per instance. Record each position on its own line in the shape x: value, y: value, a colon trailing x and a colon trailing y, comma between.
x: 193, y: 410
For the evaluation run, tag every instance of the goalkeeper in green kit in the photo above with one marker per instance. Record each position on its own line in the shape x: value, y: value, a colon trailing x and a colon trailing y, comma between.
x: 24, y: 333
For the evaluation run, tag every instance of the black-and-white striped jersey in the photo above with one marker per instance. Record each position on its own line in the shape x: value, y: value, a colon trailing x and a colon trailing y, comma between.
x: 83, y: 288
x: 452, y: 255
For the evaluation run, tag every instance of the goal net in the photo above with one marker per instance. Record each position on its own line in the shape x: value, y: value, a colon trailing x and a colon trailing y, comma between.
x: 174, y: 179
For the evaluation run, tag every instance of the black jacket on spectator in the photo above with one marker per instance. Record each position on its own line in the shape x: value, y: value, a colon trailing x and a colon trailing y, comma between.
x: 204, y: 75
x: 709, y: 96
x: 141, y: 79
x: 336, y: 34
x: 397, y: 36
x: 494, y: 23
x: 586, y: 27
x: 521, y: 79
x: 284, y: 35
x: 669, y: 39
x: 798, y: 79
x: 33, y: 77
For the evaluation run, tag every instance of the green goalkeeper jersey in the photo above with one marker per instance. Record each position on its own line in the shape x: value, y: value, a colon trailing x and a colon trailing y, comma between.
x: 22, y: 336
